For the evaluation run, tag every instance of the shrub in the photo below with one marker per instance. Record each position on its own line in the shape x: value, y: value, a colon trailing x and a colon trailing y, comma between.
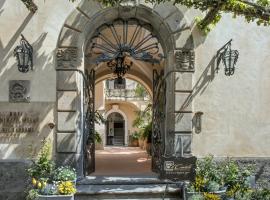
x: 43, y: 166
x: 64, y: 173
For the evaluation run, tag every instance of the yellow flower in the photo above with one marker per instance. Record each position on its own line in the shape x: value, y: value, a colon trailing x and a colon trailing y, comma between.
x: 34, y: 182
x: 66, y: 188
x: 211, y: 196
x: 39, y: 185
x: 199, y: 183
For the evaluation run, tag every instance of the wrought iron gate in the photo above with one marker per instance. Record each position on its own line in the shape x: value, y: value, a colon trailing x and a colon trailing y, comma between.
x: 158, y: 129
x: 89, y: 123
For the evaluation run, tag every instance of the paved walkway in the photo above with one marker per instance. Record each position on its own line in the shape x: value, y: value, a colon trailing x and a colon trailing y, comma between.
x: 122, y: 161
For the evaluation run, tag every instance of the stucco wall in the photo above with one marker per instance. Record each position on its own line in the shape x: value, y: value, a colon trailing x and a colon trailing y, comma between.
x: 236, y: 109
x: 42, y: 30
x: 235, y: 120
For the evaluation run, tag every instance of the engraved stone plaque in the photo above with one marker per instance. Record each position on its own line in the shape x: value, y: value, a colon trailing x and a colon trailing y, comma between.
x: 19, y: 91
x: 66, y: 55
x: 185, y: 60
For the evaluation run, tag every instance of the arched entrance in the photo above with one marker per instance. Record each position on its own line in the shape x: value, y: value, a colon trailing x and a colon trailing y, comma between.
x: 116, y: 127
x: 171, y: 123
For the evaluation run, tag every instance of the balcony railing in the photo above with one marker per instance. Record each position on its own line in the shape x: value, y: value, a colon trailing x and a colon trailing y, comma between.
x: 125, y: 94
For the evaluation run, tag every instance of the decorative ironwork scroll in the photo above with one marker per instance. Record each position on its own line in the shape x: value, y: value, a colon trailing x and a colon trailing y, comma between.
x: 65, y: 55
x: 89, y: 123
x: 185, y: 60
x: 19, y: 91
x: 125, y: 39
x: 158, y: 130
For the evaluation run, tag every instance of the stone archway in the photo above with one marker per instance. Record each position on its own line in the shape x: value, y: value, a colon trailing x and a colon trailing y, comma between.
x: 175, y: 36
x: 115, y: 109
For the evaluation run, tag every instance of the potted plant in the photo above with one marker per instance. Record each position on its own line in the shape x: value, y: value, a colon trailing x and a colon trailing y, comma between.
x: 208, y: 182
x: 49, y: 182
x: 220, y: 180
x: 134, y: 139
x: 237, y: 180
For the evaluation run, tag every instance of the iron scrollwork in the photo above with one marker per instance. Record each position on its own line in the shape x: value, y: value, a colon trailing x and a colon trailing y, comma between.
x: 159, y: 102
x: 89, y: 123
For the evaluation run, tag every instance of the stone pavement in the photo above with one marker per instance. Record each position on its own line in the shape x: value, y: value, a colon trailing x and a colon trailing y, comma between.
x: 121, y: 161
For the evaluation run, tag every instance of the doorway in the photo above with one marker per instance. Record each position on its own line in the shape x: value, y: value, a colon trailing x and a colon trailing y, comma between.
x: 115, y: 131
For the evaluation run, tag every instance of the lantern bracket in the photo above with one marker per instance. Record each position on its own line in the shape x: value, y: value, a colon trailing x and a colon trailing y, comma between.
x: 228, y: 57
x: 24, y: 55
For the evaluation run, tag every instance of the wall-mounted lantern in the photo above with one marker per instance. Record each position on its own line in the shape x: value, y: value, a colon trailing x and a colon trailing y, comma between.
x: 24, y: 55
x: 197, y: 122
x: 228, y: 57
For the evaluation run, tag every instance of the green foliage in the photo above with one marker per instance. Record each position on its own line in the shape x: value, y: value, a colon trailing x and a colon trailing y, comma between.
x: 197, y: 197
x: 261, y: 194
x: 147, y: 132
x: 135, y: 135
x: 252, y: 11
x: 43, y: 166
x: 140, y: 91
x: 64, y: 173
x: 143, y: 118
x: 214, y: 175
x: 32, y: 194
x: 98, y: 138
x: 210, y: 170
x: 237, y: 179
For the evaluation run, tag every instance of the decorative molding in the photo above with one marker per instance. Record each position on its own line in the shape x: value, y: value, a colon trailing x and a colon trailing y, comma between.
x: 185, y: 60
x: 19, y: 91
x: 65, y: 55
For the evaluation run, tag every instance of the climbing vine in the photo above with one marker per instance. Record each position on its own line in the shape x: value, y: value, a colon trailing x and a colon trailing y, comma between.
x: 252, y: 10
x: 258, y: 10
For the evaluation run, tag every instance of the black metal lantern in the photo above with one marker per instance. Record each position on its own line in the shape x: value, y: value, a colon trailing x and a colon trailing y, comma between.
x: 229, y: 58
x: 24, y: 55
x: 119, y: 66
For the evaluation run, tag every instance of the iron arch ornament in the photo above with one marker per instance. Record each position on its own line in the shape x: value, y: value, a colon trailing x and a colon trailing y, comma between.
x: 121, y: 42
x: 228, y: 57
x: 24, y: 55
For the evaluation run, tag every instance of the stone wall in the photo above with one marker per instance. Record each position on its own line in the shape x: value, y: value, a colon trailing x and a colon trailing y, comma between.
x: 262, y: 169
x: 13, y: 179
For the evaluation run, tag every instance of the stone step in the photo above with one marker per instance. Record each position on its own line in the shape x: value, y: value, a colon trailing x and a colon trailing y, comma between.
x: 107, y: 192
x: 122, y: 180
x: 127, y: 187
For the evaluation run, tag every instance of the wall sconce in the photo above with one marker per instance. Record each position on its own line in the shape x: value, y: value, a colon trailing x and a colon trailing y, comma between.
x: 228, y: 57
x: 24, y: 55
x: 198, y: 122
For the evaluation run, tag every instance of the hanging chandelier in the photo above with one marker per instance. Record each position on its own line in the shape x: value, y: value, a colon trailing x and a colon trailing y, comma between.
x: 119, y: 66
x: 122, y: 41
